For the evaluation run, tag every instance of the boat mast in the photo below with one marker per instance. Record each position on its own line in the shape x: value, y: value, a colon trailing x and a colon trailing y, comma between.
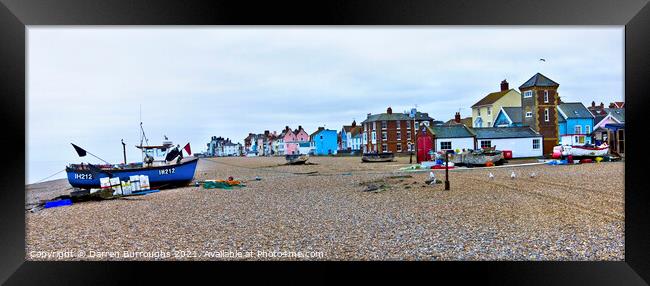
x: 142, y: 135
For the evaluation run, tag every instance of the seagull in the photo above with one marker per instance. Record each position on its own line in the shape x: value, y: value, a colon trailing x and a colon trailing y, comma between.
x: 543, y: 60
x: 512, y: 176
x: 532, y: 175
x: 491, y: 176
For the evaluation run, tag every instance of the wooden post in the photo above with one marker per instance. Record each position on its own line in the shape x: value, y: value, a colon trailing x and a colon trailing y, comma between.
x: 447, y: 170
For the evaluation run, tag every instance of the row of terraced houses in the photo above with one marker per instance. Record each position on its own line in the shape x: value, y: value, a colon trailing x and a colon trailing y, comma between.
x: 528, y: 122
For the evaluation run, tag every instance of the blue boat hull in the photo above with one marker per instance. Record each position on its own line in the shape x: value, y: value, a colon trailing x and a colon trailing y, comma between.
x: 159, y: 177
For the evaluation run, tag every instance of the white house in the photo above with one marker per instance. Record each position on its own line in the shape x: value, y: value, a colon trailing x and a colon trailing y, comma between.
x: 452, y: 137
x: 521, y: 140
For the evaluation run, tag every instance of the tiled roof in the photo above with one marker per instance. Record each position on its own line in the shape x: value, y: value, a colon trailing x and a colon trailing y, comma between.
x: 467, y: 121
x: 505, y: 132
x: 317, y: 130
x: 618, y: 113
x: 514, y: 113
x: 491, y: 98
x: 539, y: 80
x: 451, y: 131
x: 356, y: 130
x: 396, y: 116
x: 574, y: 110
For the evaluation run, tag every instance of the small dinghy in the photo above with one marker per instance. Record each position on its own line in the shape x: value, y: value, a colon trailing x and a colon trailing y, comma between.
x: 378, y: 157
x: 296, y: 159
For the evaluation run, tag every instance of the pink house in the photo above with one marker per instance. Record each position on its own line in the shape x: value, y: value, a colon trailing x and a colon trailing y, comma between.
x: 290, y: 141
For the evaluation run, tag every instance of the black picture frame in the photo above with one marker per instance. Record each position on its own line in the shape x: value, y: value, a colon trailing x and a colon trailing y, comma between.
x: 15, y: 15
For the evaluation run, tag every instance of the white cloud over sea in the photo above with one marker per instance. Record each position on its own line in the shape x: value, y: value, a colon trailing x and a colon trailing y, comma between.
x: 86, y: 85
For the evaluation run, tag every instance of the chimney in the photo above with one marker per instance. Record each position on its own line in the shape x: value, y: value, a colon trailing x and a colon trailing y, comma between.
x: 593, y: 104
x: 369, y: 115
x: 299, y: 127
x: 457, y: 117
x: 504, y: 85
x: 389, y: 110
x: 354, y: 123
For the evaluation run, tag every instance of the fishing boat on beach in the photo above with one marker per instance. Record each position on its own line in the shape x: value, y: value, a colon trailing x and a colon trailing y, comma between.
x: 581, y: 151
x: 296, y: 159
x: 481, y: 157
x: 164, y: 165
x: 377, y: 157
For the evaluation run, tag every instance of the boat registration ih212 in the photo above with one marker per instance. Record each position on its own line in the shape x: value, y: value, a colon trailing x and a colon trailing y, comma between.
x: 167, y: 171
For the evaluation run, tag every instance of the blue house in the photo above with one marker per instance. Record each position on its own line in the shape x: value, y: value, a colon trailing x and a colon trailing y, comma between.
x: 575, y: 124
x: 324, y: 141
x: 508, y: 117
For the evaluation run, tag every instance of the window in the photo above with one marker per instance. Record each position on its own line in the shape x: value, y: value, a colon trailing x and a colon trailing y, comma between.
x: 374, y: 125
x: 408, y: 135
x: 489, y: 111
x: 384, y: 136
x: 535, y: 144
x: 417, y: 125
x: 587, y: 129
x: 529, y: 114
x: 479, y: 111
x: 528, y: 93
x: 408, y: 124
x: 546, y: 115
x: 446, y: 145
x: 546, y: 96
x: 579, y: 139
x: 383, y: 125
x: 398, y: 125
x: 365, y: 137
x: 577, y: 129
x: 374, y: 137
x: 321, y: 137
x: 384, y: 147
x: 489, y: 124
x: 486, y: 144
x: 399, y: 135
x: 399, y: 147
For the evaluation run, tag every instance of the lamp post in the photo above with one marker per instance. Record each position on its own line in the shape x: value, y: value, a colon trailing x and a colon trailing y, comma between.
x: 124, y: 150
x: 447, y: 170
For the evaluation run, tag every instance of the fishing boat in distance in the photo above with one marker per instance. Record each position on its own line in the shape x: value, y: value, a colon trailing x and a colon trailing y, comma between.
x: 377, y: 157
x: 296, y: 159
x: 163, y: 164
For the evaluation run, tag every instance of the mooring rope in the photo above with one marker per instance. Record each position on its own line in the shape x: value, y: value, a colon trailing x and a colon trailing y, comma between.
x: 49, y: 176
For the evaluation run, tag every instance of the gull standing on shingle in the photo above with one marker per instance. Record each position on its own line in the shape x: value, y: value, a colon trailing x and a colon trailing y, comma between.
x: 512, y: 176
x: 491, y: 176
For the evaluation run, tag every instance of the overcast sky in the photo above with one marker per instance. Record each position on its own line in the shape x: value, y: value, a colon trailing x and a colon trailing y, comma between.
x: 85, y: 85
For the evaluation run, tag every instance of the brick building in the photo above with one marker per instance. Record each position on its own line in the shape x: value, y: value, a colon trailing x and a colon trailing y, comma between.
x: 392, y: 132
x: 539, y: 101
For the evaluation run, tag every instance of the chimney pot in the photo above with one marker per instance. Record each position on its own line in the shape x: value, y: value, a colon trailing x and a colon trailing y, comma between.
x: 457, y: 117
x: 389, y: 110
x: 504, y: 85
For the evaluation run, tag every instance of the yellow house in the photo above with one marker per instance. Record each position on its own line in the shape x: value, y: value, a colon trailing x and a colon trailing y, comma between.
x: 485, y: 111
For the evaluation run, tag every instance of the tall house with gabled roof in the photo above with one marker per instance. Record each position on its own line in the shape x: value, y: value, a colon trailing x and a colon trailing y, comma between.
x: 539, y: 101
